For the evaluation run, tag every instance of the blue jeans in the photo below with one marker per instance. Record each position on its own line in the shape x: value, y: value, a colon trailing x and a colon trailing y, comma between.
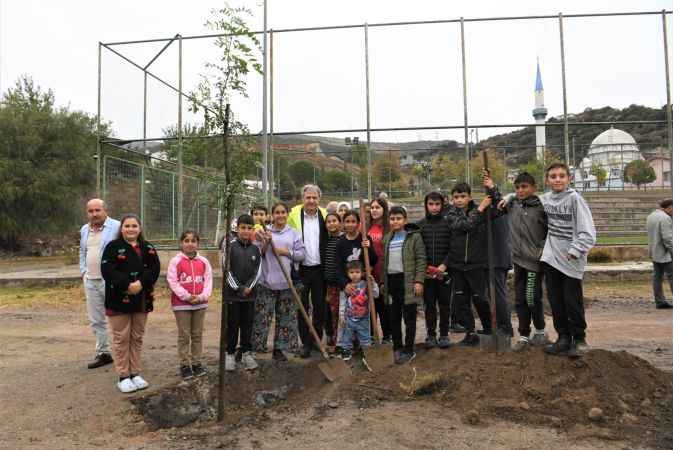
x: 359, y: 328
x: 661, y: 269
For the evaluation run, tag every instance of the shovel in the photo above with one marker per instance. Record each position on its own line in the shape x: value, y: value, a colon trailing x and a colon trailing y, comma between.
x: 379, y: 355
x: 497, y: 341
x: 333, y: 369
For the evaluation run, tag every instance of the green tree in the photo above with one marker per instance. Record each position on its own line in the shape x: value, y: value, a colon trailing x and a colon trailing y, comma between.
x: 302, y: 172
x: 336, y: 180
x: 359, y: 155
x: 639, y: 172
x: 600, y: 173
x: 47, y: 164
x: 387, y: 174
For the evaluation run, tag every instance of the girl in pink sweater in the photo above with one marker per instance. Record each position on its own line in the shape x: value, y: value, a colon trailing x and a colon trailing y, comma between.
x: 190, y: 278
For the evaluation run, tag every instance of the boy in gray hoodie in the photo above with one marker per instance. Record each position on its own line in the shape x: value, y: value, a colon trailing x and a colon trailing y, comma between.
x: 571, y: 234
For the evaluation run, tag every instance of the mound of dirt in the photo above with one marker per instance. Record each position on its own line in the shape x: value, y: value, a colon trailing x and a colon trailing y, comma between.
x: 616, y: 391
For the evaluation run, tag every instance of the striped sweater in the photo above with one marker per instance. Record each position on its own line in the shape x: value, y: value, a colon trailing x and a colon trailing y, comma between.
x: 331, y: 274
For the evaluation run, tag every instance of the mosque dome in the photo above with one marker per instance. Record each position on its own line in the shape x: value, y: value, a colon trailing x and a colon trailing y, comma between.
x: 613, y: 147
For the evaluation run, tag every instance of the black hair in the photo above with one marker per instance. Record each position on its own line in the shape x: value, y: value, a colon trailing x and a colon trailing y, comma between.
x: 259, y: 208
x: 245, y: 219
x: 333, y: 214
x: 353, y: 265
x: 398, y: 211
x: 384, y: 218
x: 276, y: 205
x: 126, y: 217
x: 557, y: 165
x: 462, y: 188
x: 666, y: 203
x: 187, y: 232
x: 352, y: 212
x: 524, y: 177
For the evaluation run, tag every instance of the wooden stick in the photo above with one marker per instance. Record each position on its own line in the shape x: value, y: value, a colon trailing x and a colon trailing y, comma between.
x: 491, y: 263
x: 368, y: 270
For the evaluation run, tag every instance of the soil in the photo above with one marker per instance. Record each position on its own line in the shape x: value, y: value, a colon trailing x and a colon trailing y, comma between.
x: 456, y: 398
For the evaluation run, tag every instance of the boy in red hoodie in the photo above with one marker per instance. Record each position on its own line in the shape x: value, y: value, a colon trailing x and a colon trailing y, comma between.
x: 190, y: 278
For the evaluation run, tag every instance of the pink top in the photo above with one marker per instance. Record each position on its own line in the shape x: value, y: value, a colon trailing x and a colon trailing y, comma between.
x: 376, y: 233
x: 187, y: 277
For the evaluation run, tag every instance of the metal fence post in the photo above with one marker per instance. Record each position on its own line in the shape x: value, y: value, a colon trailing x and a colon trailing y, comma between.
x: 369, y: 150
x: 669, y: 125
x: 265, y: 143
x: 272, y: 175
x: 566, y: 143
x: 180, y: 166
x: 144, y: 108
x: 142, y: 194
x: 467, y: 143
x: 173, y: 204
x: 99, y: 153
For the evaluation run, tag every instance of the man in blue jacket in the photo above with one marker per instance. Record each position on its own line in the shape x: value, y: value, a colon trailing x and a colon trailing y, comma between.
x: 94, y: 237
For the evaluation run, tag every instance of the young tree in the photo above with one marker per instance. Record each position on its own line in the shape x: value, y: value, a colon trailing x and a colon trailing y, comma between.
x: 302, y: 172
x: 336, y: 180
x: 639, y: 172
x: 600, y: 173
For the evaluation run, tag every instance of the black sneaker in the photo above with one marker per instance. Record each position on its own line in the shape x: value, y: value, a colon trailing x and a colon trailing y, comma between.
x: 578, y: 348
x: 430, y: 341
x: 305, y: 352
x: 561, y: 346
x: 664, y: 305
x: 457, y: 328
x: 444, y: 342
x: 471, y: 339
x: 346, y: 355
x: 405, y: 357
x: 278, y: 355
x: 199, y: 370
x: 387, y: 340
x: 186, y: 372
x: 100, y: 360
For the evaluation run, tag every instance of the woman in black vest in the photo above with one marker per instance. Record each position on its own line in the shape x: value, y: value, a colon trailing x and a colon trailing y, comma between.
x: 130, y: 267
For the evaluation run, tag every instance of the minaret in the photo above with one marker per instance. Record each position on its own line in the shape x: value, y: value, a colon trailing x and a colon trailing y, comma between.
x: 539, y: 113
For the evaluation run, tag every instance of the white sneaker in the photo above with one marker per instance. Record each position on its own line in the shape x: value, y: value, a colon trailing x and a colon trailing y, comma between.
x: 229, y: 362
x: 249, y: 361
x: 127, y: 386
x: 140, y: 382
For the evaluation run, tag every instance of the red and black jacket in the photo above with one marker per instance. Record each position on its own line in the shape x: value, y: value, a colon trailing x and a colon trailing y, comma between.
x: 121, y: 266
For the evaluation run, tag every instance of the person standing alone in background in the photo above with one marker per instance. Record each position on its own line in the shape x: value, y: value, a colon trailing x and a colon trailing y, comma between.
x: 660, y: 243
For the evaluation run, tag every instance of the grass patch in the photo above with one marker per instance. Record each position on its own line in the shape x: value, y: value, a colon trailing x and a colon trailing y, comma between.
x: 621, y: 240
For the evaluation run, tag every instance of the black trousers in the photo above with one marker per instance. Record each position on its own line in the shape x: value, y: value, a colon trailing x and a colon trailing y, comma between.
x: 567, y: 302
x: 240, y: 316
x: 503, y: 314
x: 383, y: 315
x: 313, y: 299
x: 469, y: 287
x: 400, y: 311
x: 528, y: 295
x: 436, y: 295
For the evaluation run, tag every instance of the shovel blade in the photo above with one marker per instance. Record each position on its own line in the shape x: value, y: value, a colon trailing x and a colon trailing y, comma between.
x: 335, y: 370
x: 378, y: 357
x: 499, y: 342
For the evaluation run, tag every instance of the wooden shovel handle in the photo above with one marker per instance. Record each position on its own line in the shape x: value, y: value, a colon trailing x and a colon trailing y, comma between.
x: 368, y: 271
x: 299, y: 304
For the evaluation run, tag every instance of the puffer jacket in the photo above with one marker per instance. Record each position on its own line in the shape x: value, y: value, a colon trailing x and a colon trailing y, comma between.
x: 467, y: 249
x: 413, y: 259
x: 436, y: 235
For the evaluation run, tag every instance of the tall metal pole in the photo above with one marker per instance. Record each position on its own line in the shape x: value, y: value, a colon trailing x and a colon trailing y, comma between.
x: 265, y: 143
x: 669, y: 124
x: 99, y: 153
x: 144, y: 108
x: 272, y: 176
x: 566, y: 140
x: 467, y: 143
x: 180, y: 168
x: 369, y: 151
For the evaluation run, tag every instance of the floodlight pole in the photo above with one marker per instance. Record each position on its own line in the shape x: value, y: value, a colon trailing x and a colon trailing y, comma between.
x: 369, y: 150
x: 566, y: 140
x: 669, y: 124
x: 465, y: 122
x: 180, y: 165
x: 272, y: 175
x: 99, y: 159
x: 265, y: 143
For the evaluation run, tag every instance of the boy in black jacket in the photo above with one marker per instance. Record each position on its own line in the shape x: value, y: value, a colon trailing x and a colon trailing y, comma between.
x: 436, y: 236
x: 467, y: 259
x: 245, y: 268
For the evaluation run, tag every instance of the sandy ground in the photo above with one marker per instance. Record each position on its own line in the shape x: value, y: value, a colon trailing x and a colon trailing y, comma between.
x: 50, y: 400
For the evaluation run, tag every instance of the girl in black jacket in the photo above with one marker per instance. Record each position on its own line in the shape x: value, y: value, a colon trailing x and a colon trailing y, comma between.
x: 130, y: 267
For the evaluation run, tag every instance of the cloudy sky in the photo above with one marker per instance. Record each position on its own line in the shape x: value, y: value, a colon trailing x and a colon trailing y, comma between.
x: 319, y: 76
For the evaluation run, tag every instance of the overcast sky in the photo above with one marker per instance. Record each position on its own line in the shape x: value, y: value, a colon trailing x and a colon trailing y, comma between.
x: 319, y: 76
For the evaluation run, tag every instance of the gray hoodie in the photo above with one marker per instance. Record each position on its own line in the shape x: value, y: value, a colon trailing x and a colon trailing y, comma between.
x: 571, y: 231
x: 660, y: 236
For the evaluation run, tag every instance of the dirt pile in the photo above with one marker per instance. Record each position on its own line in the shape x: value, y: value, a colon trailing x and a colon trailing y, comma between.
x: 615, y: 391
